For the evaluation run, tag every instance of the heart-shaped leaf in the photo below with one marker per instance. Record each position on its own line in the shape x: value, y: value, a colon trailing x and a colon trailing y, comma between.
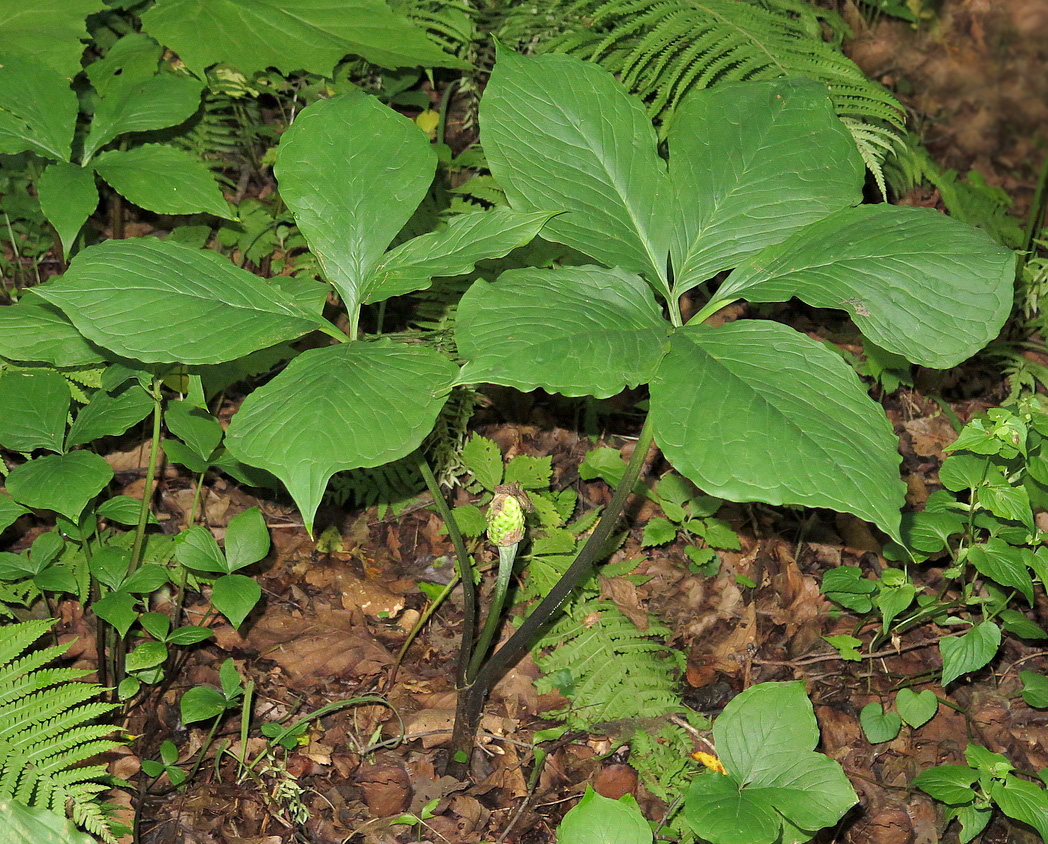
x: 878, y: 725
x: 916, y: 709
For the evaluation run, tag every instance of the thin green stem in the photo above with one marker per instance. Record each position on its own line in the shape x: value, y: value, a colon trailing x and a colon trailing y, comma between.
x: 465, y: 570
x: 507, y: 555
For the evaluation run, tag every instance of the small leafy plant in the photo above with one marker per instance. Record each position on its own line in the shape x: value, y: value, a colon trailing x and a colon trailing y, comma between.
x: 989, y: 780
x: 983, y: 522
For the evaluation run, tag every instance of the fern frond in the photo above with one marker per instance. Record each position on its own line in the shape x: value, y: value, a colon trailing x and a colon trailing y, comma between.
x: 46, y: 734
x: 617, y: 671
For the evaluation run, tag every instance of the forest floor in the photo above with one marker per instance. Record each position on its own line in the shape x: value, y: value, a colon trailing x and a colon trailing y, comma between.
x: 334, y: 620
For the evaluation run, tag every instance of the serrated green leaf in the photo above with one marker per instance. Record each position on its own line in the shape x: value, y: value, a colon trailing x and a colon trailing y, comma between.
x: 966, y: 471
x: 163, y: 179
x: 470, y: 520
x: 802, y: 428
x: 110, y: 414
x: 878, y: 725
x: 752, y: 162
x: 34, y: 405
x: 340, y: 407
x: 454, y: 250
x: 68, y: 195
x: 310, y: 35
x: 916, y: 709
x: 847, y: 646
x: 1023, y: 801
x: 571, y: 330
x: 141, y: 105
x: 658, y: 531
x: 1004, y: 564
x: 161, y: 302
x: 530, y: 472
x: 60, y: 482
x: 33, y: 330
x: 914, y: 281
x: 38, y: 109
x: 484, y: 460
x: 561, y: 134
x: 969, y: 652
x: 352, y: 171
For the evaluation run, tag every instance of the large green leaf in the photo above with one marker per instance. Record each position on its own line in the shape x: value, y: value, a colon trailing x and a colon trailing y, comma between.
x: 140, y: 105
x: 67, y: 195
x: 352, y: 171
x: 563, y: 135
x: 163, y: 179
x: 755, y: 411
x: 916, y: 282
x: 60, y: 482
x: 31, y: 330
x: 340, y: 407
x: 454, y: 250
x: 38, y: 109
x: 33, y: 409
x: 50, y: 30
x: 1023, y: 801
x: 752, y: 162
x: 970, y: 651
x: 161, y: 302
x: 775, y: 783
x: 110, y: 414
x: 572, y: 330
x: 23, y: 825
x: 290, y: 35
x: 133, y: 57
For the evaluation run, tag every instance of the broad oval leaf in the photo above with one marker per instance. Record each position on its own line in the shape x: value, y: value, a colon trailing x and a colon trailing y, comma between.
x: 37, y: 825
x: 916, y: 282
x: 601, y: 820
x: 719, y: 810
x: 60, y: 482
x: 755, y: 411
x: 340, y: 407
x: 110, y: 414
x: 454, y: 250
x: 752, y: 162
x: 163, y: 179
x: 31, y: 330
x: 563, y: 135
x: 311, y: 35
x: 51, y: 31
x: 161, y: 302
x: 352, y: 171
x: 970, y: 651
x: 140, y: 105
x: 235, y: 595
x: 38, y: 109
x: 67, y: 195
x: 34, y: 406
x: 572, y: 330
